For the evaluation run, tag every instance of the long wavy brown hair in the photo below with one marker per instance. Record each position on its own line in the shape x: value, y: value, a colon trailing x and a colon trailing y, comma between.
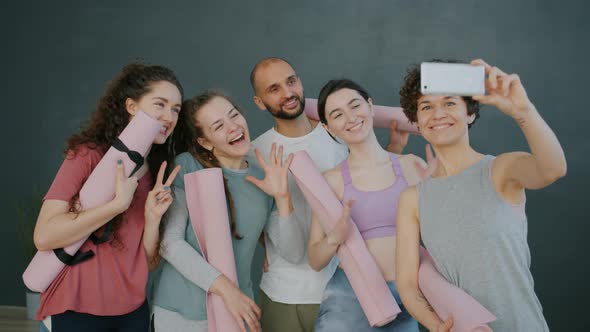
x: 189, y: 129
x: 111, y: 117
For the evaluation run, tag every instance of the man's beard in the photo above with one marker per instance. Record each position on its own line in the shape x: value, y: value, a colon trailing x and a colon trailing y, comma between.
x: 285, y: 115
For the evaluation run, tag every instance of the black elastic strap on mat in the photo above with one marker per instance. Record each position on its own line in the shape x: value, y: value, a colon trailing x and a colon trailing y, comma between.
x: 135, y: 156
x: 104, y: 237
x: 68, y: 259
x: 79, y: 257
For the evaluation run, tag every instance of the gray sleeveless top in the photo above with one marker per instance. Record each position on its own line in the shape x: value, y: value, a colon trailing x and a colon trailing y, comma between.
x: 479, y: 243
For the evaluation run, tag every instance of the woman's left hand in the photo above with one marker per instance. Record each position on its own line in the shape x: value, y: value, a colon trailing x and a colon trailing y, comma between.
x: 275, y: 182
x: 504, y: 91
x: 160, y: 197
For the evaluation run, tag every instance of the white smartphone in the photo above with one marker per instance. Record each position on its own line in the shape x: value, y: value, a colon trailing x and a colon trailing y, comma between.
x: 452, y: 79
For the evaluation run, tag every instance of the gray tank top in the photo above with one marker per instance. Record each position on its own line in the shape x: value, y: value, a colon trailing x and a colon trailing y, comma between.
x: 479, y: 243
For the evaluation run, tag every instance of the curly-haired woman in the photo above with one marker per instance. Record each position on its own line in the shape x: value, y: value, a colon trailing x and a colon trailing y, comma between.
x: 107, y: 291
x: 470, y: 213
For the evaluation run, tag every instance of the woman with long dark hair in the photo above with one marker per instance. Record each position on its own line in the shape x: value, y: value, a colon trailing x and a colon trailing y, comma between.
x: 368, y: 182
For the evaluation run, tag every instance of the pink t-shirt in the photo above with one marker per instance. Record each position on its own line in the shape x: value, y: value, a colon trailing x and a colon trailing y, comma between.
x: 113, y: 281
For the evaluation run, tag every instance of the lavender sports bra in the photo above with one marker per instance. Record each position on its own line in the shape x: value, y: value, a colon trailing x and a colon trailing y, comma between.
x: 374, y: 212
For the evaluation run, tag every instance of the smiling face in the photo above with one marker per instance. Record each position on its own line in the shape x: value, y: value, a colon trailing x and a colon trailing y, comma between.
x: 279, y: 90
x: 349, y: 116
x: 410, y: 96
x: 163, y: 103
x: 443, y: 120
x: 224, y: 129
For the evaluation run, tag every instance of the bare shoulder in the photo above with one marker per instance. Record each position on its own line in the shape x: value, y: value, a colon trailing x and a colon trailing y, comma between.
x: 411, y: 160
x: 408, y: 203
x: 334, y: 178
x: 409, y: 164
x: 409, y: 195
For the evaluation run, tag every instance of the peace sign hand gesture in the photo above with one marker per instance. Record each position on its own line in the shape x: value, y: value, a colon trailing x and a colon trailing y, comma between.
x: 160, y: 197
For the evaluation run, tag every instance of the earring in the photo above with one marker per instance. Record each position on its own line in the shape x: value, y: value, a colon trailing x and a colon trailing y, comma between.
x: 211, y: 154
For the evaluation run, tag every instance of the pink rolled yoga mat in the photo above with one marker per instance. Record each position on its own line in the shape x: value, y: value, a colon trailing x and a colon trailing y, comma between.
x: 446, y: 299
x: 207, y: 207
x: 364, y: 275
x: 383, y: 116
x: 98, y: 189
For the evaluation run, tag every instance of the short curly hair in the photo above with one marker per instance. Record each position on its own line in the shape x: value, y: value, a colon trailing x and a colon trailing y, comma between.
x: 410, y: 93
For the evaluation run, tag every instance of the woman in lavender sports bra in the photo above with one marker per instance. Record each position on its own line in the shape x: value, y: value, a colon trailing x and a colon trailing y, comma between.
x: 369, y: 183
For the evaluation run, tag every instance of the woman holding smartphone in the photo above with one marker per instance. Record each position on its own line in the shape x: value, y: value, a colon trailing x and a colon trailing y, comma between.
x: 470, y: 214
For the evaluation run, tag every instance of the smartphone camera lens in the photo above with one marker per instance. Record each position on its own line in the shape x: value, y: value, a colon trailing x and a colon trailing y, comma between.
x: 425, y: 87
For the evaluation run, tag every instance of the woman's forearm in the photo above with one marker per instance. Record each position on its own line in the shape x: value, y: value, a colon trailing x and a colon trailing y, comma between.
x: 544, y: 145
x: 178, y: 252
x: 59, y: 230
x: 418, y: 307
x: 151, y: 241
x: 288, y: 236
x: 284, y: 205
x: 321, y: 253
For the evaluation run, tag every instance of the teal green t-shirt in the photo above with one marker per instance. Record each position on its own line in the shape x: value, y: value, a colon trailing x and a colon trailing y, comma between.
x: 252, y: 210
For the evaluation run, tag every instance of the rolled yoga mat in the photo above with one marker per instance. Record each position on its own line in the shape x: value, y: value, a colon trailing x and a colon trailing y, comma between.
x: 99, y: 188
x: 445, y: 298
x: 364, y: 275
x: 449, y: 300
x: 207, y: 207
x: 383, y: 116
